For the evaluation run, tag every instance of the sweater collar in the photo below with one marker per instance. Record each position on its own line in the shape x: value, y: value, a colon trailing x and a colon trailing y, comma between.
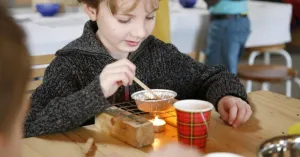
x: 89, y: 44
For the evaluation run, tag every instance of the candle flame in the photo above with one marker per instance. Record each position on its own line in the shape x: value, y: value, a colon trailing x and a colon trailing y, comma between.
x: 156, y: 118
x: 157, y: 121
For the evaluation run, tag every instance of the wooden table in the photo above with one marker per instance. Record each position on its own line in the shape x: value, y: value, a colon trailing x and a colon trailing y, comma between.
x: 273, y: 115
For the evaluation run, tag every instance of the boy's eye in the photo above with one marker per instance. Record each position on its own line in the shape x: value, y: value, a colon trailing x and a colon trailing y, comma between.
x: 124, y: 21
x: 150, y: 18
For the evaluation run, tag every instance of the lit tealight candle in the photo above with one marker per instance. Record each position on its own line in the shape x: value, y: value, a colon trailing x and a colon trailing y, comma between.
x: 158, y: 125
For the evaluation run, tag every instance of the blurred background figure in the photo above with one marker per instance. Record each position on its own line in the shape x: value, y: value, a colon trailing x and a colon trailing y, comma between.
x: 228, y: 32
x: 14, y: 74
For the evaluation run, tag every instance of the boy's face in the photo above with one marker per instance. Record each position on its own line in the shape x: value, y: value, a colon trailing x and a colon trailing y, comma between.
x: 10, y: 144
x: 125, y: 31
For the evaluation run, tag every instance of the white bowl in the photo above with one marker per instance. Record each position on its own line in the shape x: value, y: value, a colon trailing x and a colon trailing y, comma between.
x: 222, y: 154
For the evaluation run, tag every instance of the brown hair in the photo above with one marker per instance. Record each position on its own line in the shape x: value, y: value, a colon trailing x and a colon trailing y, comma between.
x: 14, y: 71
x: 112, y: 4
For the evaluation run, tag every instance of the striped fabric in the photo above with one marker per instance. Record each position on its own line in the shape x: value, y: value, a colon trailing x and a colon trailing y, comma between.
x: 192, y: 129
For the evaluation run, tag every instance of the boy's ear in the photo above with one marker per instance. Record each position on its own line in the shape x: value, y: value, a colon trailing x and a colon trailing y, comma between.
x: 91, y: 12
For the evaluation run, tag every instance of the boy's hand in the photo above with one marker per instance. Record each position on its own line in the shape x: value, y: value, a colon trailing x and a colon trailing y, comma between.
x: 116, y: 74
x: 234, y: 110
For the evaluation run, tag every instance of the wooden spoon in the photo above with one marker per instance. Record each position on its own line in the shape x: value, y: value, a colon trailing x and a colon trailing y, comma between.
x: 146, y: 88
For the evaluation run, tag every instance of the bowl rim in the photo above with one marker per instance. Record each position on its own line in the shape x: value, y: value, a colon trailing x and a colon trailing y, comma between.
x: 223, y: 154
x: 47, y: 4
x: 54, y: 6
x: 165, y: 90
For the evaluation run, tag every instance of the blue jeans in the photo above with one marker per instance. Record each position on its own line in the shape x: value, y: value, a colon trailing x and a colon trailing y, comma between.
x: 226, y: 41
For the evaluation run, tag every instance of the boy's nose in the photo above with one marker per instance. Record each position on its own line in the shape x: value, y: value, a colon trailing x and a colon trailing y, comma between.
x: 139, y: 31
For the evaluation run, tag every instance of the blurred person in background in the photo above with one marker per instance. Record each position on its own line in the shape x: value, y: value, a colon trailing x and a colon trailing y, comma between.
x: 228, y: 32
x: 14, y: 74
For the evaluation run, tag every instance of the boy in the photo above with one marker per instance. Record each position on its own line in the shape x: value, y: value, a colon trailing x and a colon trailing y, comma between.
x: 14, y: 74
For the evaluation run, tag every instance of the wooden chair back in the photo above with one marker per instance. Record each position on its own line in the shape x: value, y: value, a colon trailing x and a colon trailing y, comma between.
x: 39, y: 65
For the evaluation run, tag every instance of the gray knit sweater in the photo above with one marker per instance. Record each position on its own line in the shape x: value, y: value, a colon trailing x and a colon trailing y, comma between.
x: 70, y: 93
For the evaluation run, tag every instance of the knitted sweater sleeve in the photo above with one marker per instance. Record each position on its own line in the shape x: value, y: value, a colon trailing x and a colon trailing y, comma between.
x: 198, y: 81
x: 59, y: 105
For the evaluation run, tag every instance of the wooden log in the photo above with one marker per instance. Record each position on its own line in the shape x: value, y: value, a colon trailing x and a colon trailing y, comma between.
x: 134, y: 130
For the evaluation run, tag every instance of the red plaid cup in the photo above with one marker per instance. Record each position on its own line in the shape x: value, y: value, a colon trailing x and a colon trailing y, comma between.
x: 193, y: 117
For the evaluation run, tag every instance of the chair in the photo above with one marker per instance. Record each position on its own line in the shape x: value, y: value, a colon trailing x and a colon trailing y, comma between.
x: 39, y: 65
x: 162, y: 26
x: 268, y: 73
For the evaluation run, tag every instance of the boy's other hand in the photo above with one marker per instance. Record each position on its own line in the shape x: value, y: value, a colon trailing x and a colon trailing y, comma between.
x: 234, y: 110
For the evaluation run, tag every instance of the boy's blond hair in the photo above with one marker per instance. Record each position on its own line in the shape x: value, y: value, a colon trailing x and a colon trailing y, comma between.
x: 113, y: 5
x: 14, y: 71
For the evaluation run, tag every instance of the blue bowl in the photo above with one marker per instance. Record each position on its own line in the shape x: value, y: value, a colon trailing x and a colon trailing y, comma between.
x: 188, y: 3
x: 48, y: 9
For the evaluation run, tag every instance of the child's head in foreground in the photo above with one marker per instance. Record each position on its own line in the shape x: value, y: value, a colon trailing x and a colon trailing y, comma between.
x: 14, y: 71
x: 122, y: 24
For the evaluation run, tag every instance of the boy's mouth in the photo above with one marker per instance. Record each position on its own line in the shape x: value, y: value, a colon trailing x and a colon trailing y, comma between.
x: 132, y: 43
